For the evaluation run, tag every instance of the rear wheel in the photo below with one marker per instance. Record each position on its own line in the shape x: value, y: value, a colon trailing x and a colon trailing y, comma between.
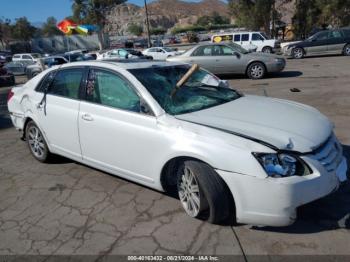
x: 347, y: 50
x: 202, y: 193
x: 298, y: 53
x: 36, y: 142
x: 256, y: 70
x: 267, y: 49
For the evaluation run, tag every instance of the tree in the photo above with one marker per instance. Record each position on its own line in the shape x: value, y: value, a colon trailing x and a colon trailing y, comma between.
x: 213, y: 19
x: 135, y: 29
x: 49, y: 28
x: 253, y: 14
x: 22, y: 29
x: 93, y: 12
x: 5, y: 32
x: 158, y: 31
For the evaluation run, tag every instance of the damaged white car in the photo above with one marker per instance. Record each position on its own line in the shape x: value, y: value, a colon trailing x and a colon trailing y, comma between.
x: 170, y: 126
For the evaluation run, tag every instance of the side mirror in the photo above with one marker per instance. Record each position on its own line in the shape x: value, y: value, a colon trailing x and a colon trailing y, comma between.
x: 235, y: 53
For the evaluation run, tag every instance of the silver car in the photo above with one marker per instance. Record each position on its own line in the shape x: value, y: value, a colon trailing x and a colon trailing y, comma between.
x: 230, y: 58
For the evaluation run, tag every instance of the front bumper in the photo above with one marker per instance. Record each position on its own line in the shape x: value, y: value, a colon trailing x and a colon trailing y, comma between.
x: 273, y: 201
x: 276, y: 66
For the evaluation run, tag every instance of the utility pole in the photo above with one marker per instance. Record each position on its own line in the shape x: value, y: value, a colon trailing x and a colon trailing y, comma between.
x: 147, y: 25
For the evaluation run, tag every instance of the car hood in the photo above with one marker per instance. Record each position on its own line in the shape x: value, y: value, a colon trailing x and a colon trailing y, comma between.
x: 283, y: 124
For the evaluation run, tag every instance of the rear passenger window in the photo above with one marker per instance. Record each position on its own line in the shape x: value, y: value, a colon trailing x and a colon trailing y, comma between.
x: 203, y: 51
x: 67, y: 82
x: 45, y: 82
x: 237, y: 38
x: 245, y: 37
x: 335, y: 34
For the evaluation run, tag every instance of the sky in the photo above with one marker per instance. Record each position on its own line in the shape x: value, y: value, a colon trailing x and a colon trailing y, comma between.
x: 38, y: 10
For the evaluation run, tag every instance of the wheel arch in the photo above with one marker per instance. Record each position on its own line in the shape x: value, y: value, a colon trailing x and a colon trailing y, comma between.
x: 168, y: 180
x: 255, y: 61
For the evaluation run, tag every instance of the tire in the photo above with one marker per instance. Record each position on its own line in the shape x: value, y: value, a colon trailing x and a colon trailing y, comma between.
x: 36, y: 142
x: 267, y: 50
x: 347, y: 50
x: 298, y: 53
x: 197, y: 180
x: 256, y: 70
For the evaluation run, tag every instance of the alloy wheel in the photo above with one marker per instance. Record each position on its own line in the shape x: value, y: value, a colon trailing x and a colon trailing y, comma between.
x: 298, y: 53
x: 189, y: 194
x: 347, y: 50
x: 36, y: 142
x: 257, y: 71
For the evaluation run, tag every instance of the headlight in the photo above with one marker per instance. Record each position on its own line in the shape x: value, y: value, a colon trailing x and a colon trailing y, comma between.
x: 282, y: 165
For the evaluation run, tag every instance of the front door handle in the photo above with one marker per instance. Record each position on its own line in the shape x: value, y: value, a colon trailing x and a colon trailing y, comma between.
x: 87, y: 117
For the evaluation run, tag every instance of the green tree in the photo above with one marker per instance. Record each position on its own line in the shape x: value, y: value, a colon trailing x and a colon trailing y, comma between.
x: 22, y: 29
x: 158, y: 31
x: 135, y: 29
x: 93, y: 12
x: 253, y: 14
x: 50, y: 28
x: 5, y: 32
x: 214, y: 19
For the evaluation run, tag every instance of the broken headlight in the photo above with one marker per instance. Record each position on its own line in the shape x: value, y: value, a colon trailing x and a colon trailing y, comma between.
x: 282, y: 165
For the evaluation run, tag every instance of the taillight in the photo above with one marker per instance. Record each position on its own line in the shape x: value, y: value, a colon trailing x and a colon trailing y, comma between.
x: 10, y: 95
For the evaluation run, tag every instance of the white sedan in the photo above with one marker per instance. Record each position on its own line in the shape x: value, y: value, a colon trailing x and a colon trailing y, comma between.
x: 172, y: 128
x: 160, y: 53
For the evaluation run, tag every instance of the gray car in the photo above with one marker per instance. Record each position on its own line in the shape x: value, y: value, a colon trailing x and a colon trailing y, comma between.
x: 230, y: 58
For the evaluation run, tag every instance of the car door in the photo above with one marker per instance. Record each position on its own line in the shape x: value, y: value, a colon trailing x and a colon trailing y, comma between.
x: 114, y: 135
x: 203, y: 57
x: 336, y: 42
x: 257, y: 40
x: 58, y: 112
x: 227, y: 60
x: 318, y: 44
x: 245, y: 41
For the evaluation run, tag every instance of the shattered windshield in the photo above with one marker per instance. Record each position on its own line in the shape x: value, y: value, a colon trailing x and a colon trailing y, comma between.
x: 201, y: 91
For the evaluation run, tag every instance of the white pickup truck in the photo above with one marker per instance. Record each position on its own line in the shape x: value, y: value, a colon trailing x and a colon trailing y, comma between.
x: 249, y: 40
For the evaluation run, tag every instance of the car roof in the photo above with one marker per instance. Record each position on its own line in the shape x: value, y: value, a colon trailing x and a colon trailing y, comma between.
x: 125, y: 63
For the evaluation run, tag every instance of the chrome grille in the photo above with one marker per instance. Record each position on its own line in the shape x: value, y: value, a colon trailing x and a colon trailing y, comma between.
x: 329, y: 154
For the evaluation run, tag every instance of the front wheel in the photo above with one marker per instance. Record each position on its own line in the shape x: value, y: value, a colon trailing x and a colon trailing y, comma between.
x: 36, y: 142
x: 256, y: 70
x: 298, y: 53
x: 202, y: 192
x: 347, y: 50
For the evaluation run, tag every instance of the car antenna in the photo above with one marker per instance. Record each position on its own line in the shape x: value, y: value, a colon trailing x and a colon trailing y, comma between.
x: 184, y: 79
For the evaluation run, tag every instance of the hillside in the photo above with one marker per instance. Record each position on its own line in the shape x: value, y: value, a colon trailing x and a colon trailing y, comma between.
x: 162, y: 13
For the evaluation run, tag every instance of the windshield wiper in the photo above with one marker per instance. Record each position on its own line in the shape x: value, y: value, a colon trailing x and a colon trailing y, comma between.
x: 184, y: 79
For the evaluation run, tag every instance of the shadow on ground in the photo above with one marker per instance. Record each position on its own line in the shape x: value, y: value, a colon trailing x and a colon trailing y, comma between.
x: 329, y: 213
x: 283, y: 74
x: 5, y: 121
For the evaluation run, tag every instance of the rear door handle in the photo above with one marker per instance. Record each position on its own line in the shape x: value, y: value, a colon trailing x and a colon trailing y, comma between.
x: 87, y: 117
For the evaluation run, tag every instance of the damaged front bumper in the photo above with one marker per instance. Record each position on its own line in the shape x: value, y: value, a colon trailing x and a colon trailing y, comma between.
x: 273, y: 201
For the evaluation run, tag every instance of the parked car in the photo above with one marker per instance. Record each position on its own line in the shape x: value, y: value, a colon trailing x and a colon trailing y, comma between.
x: 232, y: 59
x: 47, y: 62
x: 5, y: 56
x: 326, y: 42
x: 122, y: 53
x: 160, y: 53
x: 6, y: 78
x: 173, y: 127
x: 32, y: 57
x: 249, y: 40
x: 18, y: 67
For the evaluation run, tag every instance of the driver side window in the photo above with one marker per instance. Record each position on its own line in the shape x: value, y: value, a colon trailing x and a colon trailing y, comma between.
x: 110, y: 89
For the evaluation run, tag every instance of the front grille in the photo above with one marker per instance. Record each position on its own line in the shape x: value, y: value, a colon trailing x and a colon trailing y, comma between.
x: 329, y: 154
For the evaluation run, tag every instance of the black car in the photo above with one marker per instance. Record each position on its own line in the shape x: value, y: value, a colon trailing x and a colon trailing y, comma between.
x: 326, y: 42
x: 6, y: 77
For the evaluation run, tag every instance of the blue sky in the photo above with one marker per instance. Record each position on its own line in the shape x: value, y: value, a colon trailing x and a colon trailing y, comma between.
x: 39, y: 10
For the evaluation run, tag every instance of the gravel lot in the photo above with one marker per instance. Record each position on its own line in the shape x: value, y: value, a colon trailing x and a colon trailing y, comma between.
x: 68, y: 208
